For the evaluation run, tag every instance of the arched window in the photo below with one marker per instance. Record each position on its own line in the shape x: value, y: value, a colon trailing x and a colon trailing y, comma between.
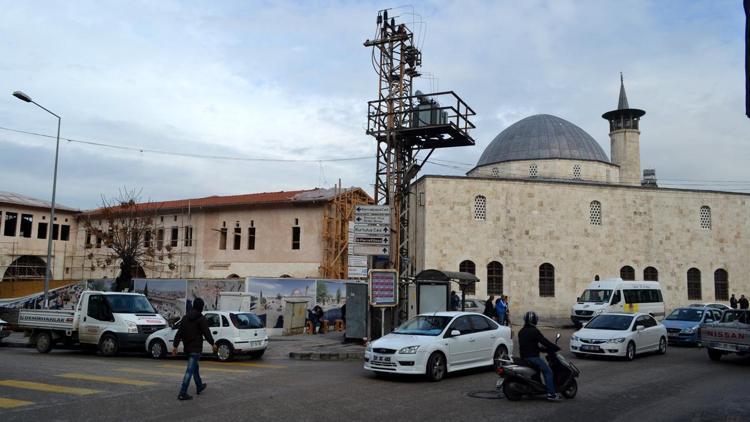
x: 577, y: 171
x: 495, y: 172
x: 721, y: 284
x: 494, y: 278
x: 480, y: 208
x: 533, y: 171
x: 595, y: 213
x: 627, y: 273
x: 468, y: 267
x: 705, y: 217
x: 694, y: 284
x: 546, y: 280
x: 650, y: 274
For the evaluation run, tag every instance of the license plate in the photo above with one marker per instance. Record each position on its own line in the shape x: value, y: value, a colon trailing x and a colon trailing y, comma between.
x: 254, y: 343
x: 590, y: 348
x: 499, y: 383
x: 381, y: 358
x: 674, y: 334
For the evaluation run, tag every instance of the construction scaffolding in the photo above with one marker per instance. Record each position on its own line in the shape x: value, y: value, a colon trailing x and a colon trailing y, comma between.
x: 336, y: 217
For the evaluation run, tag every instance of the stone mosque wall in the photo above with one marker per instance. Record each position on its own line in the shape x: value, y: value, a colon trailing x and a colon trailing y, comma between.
x: 561, y: 169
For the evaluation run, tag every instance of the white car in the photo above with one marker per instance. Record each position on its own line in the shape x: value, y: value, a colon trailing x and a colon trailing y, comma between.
x: 437, y: 343
x: 4, y: 331
x: 233, y: 333
x: 620, y: 334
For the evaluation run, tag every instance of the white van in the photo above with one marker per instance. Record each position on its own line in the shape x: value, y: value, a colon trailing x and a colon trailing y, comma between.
x: 616, y: 295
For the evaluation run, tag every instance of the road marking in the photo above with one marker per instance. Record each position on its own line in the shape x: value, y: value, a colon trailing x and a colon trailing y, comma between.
x: 50, y: 388
x: 149, y: 372
x: 11, y: 403
x: 248, y: 364
x: 100, y: 378
x: 203, y: 369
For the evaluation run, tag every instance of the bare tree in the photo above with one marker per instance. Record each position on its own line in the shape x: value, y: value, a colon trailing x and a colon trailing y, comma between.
x: 126, y: 229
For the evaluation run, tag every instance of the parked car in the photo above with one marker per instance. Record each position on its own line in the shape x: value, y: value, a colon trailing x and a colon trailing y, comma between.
x: 474, y: 305
x: 683, y: 323
x: 233, y: 332
x: 620, y: 334
x: 719, y: 306
x: 4, y: 331
x: 729, y: 335
x: 437, y: 343
x: 616, y: 295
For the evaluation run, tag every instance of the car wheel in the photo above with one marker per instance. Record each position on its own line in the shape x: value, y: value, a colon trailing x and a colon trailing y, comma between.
x: 108, y: 345
x: 436, y: 367
x: 224, y: 351
x: 630, y: 351
x: 511, y: 391
x: 571, y: 390
x: 158, y: 349
x: 501, y: 353
x: 714, y: 355
x: 257, y: 354
x: 579, y: 355
x: 43, y: 342
x: 662, y: 346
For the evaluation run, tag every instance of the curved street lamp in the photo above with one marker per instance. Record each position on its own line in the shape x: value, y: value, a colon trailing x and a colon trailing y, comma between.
x: 23, y: 97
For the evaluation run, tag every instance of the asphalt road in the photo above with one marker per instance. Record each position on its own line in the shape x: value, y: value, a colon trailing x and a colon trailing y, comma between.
x: 67, y: 385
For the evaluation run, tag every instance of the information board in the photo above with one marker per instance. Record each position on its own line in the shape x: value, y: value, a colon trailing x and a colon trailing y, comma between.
x: 383, y: 288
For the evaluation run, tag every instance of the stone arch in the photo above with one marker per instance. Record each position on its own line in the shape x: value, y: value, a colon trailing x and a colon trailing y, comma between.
x: 26, y: 268
x: 233, y: 276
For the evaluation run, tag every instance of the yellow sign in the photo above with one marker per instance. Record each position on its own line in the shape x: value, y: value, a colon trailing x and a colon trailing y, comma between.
x: 631, y: 307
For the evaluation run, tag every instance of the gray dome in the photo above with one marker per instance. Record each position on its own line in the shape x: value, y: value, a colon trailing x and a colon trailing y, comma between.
x: 539, y: 137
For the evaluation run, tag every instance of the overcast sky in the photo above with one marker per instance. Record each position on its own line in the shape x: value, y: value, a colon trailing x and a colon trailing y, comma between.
x: 290, y: 80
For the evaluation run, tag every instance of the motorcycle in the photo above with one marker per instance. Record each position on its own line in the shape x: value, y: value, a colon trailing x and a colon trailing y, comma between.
x: 518, y: 378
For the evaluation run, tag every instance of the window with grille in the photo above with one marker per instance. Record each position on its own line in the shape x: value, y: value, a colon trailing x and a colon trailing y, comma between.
x: 495, y: 172
x: 546, y: 280
x: 706, y: 218
x: 468, y: 267
x: 533, y: 171
x: 595, y: 213
x: 694, y: 284
x: 480, y: 208
x: 650, y: 274
x: 237, y: 238
x: 721, y: 284
x: 296, y: 235
x: 577, y: 172
x: 627, y: 273
x: 494, y: 278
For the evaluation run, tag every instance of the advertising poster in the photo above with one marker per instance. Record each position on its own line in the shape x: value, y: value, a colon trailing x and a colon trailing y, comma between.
x: 209, y: 289
x: 166, y: 296
x: 65, y: 297
x: 272, y: 293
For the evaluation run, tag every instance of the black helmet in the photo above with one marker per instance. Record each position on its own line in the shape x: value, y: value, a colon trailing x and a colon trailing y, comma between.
x: 530, y: 318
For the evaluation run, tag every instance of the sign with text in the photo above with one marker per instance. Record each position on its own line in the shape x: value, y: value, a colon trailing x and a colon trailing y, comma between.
x: 372, y: 219
x: 383, y: 288
x: 370, y: 249
x: 371, y: 240
x: 357, y: 260
x: 357, y: 272
x: 371, y: 229
x: 372, y: 209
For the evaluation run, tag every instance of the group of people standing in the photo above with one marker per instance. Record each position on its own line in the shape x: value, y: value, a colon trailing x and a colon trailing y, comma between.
x: 498, y: 309
x: 742, y: 302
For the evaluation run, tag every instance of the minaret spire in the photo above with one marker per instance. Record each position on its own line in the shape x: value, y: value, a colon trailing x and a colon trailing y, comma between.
x: 622, y: 104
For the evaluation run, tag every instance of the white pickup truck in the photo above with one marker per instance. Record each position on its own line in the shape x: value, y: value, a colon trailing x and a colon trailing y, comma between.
x: 730, y: 335
x: 108, y: 320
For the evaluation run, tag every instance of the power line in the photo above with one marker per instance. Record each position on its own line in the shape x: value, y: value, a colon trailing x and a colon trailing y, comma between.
x: 187, y: 154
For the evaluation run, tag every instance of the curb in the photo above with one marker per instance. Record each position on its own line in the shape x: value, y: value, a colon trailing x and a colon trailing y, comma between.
x: 14, y: 344
x: 326, y: 355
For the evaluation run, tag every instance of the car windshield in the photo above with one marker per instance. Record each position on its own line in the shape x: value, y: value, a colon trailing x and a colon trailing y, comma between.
x: 610, y: 322
x: 424, y: 325
x: 596, y: 296
x: 129, y: 304
x: 246, y: 321
x: 686, y: 314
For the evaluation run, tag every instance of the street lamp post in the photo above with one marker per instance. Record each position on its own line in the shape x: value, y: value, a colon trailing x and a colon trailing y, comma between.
x: 50, y: 227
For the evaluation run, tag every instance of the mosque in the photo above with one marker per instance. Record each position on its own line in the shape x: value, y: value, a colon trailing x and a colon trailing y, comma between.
x: 545, y: 211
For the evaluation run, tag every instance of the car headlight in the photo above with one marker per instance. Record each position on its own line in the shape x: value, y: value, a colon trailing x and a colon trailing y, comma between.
x: 575, y: 338
x: 368, y: 348
x: 690, y: 330
x: 597, y: 312
x: 617, y: 340
x: 408, y: 350
x: 132, y: 327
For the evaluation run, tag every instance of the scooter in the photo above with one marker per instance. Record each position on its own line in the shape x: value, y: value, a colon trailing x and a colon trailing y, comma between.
x: 519, y: 379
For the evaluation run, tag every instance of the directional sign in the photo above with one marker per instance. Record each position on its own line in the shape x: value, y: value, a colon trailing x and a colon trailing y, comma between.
x: 372, y: 240
x: 371, y: 250
x: 357, y: 272
x: 372, y: 209
x: 372, y: 219
x: 370, y: 229
x: 357, y: 261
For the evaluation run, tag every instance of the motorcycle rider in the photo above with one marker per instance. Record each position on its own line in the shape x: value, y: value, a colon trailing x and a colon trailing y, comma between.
x: 529, y: 339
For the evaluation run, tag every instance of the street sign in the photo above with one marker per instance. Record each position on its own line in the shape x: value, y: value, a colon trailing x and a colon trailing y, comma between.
x: 383, y: 288
x: 357, y: 260
x: 370, y: 229
x: 372, y: 209
x: 371, y: 250
x: 357, y: 272
x: 372, y: 240
x: 372, y: 219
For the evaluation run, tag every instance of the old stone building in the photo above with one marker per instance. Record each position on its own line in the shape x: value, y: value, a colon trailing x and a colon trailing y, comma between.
x: 545, y: 211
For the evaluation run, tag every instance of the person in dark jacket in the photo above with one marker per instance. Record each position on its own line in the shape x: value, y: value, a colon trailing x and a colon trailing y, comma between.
x: 733, y: 302
x: 743, y: 302
x: 193, y: 329
x: 489, y: 308
x: 455, y: 301
x: 529, y: 339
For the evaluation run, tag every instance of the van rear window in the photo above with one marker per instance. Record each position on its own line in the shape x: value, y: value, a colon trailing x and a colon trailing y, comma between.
x: 642, y: 295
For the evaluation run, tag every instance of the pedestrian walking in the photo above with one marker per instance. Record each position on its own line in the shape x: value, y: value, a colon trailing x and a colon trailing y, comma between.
x: 193, y: 329
x: 742, y: 302
x: 455, y: 301
x: 507, y: 309
x: 501, y: 307
x: 733, y: 302
x: 489, y: 308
